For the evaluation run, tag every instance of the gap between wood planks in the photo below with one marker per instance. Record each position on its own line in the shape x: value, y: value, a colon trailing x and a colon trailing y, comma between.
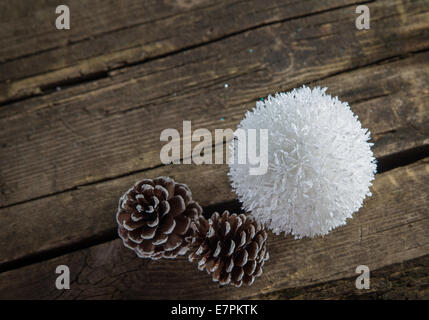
x: 379, y: 235
x: 384, y: 164
x: 100, y: 74
x: 405, y: 156
x: 104, y: 104
x: 407, y: 280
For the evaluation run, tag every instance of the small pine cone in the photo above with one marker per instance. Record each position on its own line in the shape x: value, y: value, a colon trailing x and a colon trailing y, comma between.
x: 154, y: 218
x: 231, y: 247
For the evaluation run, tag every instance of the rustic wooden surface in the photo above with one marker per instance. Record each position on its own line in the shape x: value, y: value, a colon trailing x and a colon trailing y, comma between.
x: 81, y: 113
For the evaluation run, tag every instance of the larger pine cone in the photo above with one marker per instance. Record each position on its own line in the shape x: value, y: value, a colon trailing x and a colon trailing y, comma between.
x: 231, y: 247
x: 154, y: 218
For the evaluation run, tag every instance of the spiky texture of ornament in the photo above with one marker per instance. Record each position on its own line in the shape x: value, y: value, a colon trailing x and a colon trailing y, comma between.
x: 320, y: 163
x: 154, y: 218
x: 230, y: 247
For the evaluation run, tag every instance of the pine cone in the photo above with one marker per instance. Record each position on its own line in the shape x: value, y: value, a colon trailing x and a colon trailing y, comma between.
x: 231, y: 247
x: 154, y: 218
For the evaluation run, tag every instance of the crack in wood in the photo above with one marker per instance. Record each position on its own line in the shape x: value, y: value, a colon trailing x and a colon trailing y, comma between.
x: 47, y: 88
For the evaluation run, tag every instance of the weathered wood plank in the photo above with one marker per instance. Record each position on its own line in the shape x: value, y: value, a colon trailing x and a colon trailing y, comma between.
x: 407, y: 280
x: 46, y: 216
x: 88, y: 212
x: 392, y: 227
x: 111, y: 34
x: 111, y: 127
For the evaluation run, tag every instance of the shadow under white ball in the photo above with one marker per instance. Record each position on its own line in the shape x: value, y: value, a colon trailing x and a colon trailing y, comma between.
x: 320, y: 163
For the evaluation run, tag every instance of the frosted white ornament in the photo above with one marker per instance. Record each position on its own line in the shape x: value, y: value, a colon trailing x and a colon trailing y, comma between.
x: 320, y: 163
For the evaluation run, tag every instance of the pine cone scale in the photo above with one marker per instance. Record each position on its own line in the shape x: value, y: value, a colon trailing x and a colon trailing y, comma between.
x: 167, y: 224
x: 250, y: 267
x: 153, y: 223
x: 159, y: 238
x: 182, y: 224
x: 173, y: 242
x: 177, y: 205
x: 241, y: 258
x: 253, y: 250
x: 145, y: 232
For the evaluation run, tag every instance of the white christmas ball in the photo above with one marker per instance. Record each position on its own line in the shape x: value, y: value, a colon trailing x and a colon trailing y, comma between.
x: 320, y: 163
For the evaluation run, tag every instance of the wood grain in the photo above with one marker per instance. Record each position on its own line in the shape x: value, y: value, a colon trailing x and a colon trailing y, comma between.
x: 35, y: 57
x: 111, y: 127
x: 88, y: 212
x: 82, y: 110
x: 392, y: 227
x: 97, y: 203
x: 406, y: 280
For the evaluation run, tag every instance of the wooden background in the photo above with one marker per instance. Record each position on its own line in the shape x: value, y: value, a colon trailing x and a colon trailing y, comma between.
x: 81, y: 112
